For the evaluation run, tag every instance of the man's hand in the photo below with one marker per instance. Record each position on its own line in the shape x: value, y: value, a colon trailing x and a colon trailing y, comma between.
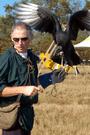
x: 31, y: 90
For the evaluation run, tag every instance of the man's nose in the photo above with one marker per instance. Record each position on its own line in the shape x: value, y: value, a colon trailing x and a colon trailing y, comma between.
x: 20, y: 41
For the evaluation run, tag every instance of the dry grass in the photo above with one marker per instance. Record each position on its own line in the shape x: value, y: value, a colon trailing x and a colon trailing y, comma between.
x: 66, y: 111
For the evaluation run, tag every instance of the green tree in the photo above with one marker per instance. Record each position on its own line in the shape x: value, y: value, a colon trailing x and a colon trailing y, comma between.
x: 88, y: 4
x: 5, y: 27
x: 8, y: 9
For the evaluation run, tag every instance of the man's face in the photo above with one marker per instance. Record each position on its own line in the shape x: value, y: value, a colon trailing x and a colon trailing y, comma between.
x: 20, y: 38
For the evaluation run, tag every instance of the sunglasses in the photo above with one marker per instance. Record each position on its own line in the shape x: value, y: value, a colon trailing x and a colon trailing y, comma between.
x: 22, y: 39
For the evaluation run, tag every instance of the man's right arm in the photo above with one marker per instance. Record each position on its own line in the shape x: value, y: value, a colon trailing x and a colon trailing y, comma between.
x: 26, y: 90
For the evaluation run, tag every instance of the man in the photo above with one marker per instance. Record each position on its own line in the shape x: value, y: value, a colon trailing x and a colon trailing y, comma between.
x: 18, y: 75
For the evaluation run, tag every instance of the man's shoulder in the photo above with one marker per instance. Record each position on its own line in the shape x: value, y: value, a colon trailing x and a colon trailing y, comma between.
x: 7, y: 54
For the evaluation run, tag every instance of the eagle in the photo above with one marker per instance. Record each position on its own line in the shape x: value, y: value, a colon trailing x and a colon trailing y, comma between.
x: 43, y: 20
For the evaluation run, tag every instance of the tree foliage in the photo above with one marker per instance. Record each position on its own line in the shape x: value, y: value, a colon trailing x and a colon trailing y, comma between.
x: 88, y: 4
x: 5, y: 28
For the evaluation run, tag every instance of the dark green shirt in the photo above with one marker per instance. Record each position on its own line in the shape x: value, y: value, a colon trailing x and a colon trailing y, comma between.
x: 15, y: 71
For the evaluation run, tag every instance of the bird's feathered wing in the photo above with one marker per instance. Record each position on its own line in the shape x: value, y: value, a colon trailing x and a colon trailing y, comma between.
x: 80, y: 20
x: 40, y: 18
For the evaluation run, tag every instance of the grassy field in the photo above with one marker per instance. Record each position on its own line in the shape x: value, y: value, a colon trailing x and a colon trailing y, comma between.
x: 66, y: 110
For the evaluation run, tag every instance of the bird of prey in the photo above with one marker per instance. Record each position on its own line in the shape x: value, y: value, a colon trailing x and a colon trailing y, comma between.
x: 43, y: 20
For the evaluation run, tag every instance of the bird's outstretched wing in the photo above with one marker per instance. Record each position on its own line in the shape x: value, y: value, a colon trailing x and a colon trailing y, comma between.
x: 80, y: 20
x: 40, y: 18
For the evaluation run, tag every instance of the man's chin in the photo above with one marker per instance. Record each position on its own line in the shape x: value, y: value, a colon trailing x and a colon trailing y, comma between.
x: 21, y: 50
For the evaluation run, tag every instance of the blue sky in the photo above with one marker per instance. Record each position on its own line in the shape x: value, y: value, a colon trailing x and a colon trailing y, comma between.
x: 5, y: 2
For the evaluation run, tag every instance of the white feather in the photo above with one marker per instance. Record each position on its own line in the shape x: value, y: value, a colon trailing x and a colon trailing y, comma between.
x: 26, y: 9
x: 26, y: 6
x: 35, y: 23
x: 30, y: 20
x: 34, y: 5
x: 33, y: 8
x: 26, y: 17
x: 26, y: 13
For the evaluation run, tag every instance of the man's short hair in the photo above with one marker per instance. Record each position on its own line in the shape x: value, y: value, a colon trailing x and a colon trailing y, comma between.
x: 23, y: 25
